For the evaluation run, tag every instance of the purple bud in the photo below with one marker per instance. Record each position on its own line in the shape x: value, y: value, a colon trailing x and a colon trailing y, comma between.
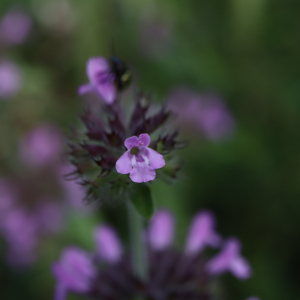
x: 161, y: 230
x: 41, y: 146
x: 14, y: 27
x: 202, y: 233
x: 10, y: 79
x: 74, y: 271
x: 108, y: 245
x: 229, y: 259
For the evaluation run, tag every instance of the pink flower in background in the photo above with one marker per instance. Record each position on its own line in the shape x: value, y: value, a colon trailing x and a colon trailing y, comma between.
x: 161, y: 230
x: 202, y: 233
x: 230, y: 259
x: 74, y: 272
x: 41, y: 146
x: 101, y: 79
x: 14, y: 27
x: 10, y: 79
x: 139, y: 160
x: 108, y: 245
x: 206, y: 113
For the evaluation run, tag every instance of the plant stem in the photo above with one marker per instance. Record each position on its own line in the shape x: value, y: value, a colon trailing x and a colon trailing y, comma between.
x: 138, y: 250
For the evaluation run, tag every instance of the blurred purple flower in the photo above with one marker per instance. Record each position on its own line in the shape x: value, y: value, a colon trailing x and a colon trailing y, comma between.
x: 139, y: 160
x: 20, y: 231
x: 202, y: 233
x: 10, y: 79
x: 253, y: 298
x: 41, y: 146
x: 101, y: 79
x: 108, y: 245
x: 49, y: 216
x: 73, y: 272
x: 230, y: 259
x: 205, y: 112
x: 14, y: 27
x: 161, y: 230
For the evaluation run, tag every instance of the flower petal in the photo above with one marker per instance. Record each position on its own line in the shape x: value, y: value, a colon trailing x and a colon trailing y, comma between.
x: 222, y: 261
x: 145, y: 139
x: 131, y: 142
x: 201, y: 233
x: 60, y: 292
x: 96, y: 66
x: 85, y: 88
x: 240, y: 268
x: 107, y: 91
x: 161, y: 230
x: 156, y: 160
x: 142, y: 173
x: 123, y: 164
x: 108, y: 244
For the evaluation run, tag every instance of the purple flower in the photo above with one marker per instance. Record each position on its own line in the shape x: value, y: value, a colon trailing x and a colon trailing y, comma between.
x: 10, y: 79
x: 139, y: 160
x: 101, y: 79
x: 229, y: 259
x: 20, y: 231
x: 202, y: 233
x: 108, y: 245
x: 41, y: 146
x: 161, y: 230
x: 206, y: 113
x: 14, y: 27
x: 74, y: 272
x: 253, y: 298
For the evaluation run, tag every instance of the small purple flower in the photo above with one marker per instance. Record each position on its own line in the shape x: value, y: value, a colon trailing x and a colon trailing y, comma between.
x: 41, y: 146
x: 108, y: 245
x: 74, y: 272
x: 10, y: 79
x: 253, y: 298
x: 230, y: 259
x: 14, y: 27
x: 202, y: 233
x: 139, y: 160
x: 161, y: 230
x: 101, y: 79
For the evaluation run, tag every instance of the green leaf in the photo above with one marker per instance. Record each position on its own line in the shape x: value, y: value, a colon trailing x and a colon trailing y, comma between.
x: 141, y: 198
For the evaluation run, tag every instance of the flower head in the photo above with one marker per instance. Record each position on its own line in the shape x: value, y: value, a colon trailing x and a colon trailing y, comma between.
x: 74, y: 271
x: 139, y: 160
x: 231, y: 260
x: 101, y: 79
x: 41, y: 146
x: 14, y: 27
x: 10, y: 79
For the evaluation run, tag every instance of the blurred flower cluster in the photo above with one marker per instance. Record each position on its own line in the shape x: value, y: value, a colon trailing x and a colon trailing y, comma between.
x: 33, y: 199
x: 172, y: 273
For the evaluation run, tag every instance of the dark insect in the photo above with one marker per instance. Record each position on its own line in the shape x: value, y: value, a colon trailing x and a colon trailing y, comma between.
x: 123, y: 76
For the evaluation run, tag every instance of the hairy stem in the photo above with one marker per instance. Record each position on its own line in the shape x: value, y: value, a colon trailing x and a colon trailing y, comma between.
x: 138, y: 250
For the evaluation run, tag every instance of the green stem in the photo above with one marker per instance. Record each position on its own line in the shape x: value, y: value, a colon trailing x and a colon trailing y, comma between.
x: 138, y: 250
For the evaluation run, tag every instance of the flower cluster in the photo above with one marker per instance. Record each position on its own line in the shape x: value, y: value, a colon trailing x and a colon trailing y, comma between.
x: 97, y: 151
x: 172, y: 273
x: 30, y: 200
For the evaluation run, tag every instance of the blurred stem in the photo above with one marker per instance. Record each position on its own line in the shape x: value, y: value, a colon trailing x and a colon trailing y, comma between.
x: 138, y: 250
